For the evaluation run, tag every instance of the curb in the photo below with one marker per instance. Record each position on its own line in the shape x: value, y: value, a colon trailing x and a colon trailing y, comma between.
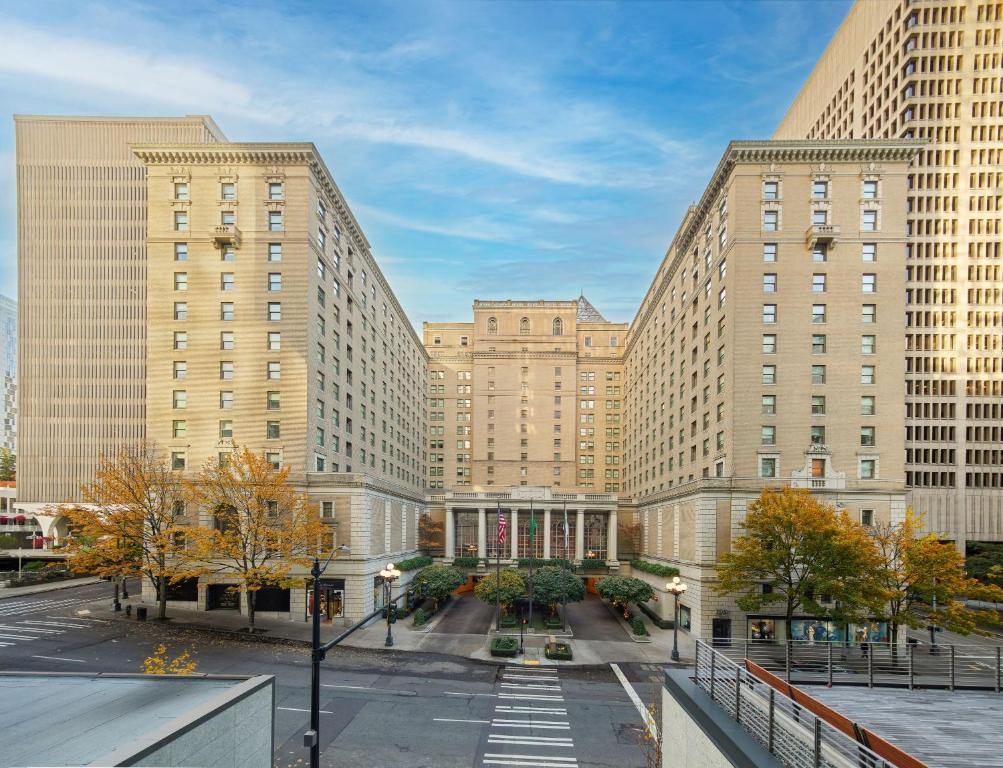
x: 51, y: 587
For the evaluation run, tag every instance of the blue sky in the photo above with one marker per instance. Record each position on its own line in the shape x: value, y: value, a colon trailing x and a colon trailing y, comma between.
x: 489, y: 150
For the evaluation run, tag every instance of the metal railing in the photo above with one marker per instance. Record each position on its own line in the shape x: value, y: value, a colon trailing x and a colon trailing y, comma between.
x: 875, y: 664
x: 792, y: 734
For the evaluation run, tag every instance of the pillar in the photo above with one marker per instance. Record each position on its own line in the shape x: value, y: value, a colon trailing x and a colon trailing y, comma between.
x: 611, y: 553
x: 450, y: 535
x: 514, y: 533
x: 546, y: 533
x: 580, y: 535
x: 482, y: 533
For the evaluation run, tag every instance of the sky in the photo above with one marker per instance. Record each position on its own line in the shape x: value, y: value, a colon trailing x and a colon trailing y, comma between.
x: 489, y: 150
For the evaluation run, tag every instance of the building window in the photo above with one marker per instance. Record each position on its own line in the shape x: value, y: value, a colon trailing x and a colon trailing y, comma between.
x: 226, y: 310
x: 275, y: 190
x: 274, y: 311
x: 869, y: 252
x: 818, y: 374
x: 768, y: 435
x: 226, y: 281
x: 275, y: 221
x: 227, y: 253
x: 769, y: 282
x: 818, y: 313
x: 770, y: 219
x: 818, y: 283
x: 275, y: 251
x: 492, y: 326
x: 181, y: 340
x: 869, y: 282
x: 769, y: 252
x: 819, y: 254
x: 867, y: 436
x: 226, y: 340
x: 771, y: 190
x: 524, y: 326
x: 180, y: 310
x: 869, y: 313
x: 180, y: 398
x: 179, y: 428
x: 867, y: 374
x: 767, y: 466
x: 177, y: 460
x: 225, y: 429
x: 868, y: 345
x: 820, y: 189
x: 226, y: 400
x: 769, y: 404
x: 868, y: 469
x: 274, y: 458
x: 227, y: 218
x: 274, y: 370
x: 818, y: 405
x: 180, y: 281
x: 227, y: 191
x: 181, y: 191
x: 769, y: 374
x: 870, y: 190
x: 588, y: 341
x: 226, y: 370
x: 273, y: 401
x: 867, y: 405
x: 769, y: 344
x: 818, y: 344
x: 274, y: 341
x: 181, y: 251
x: 819, y: 217
x: 769, y: 313
x: 817, y: 435
x: 867, y: 518
x: 180, y: 369
x: 274, y: 281
x: 180, y: 221
x: 869, y: 221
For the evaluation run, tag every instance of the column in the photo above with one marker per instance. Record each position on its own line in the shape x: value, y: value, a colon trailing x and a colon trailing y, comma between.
x: 611, y: 538
x: 513, y: 530
x: 450, y: 535
x: 580, y: 535
x: 482, y: 533
x: 546, y: 533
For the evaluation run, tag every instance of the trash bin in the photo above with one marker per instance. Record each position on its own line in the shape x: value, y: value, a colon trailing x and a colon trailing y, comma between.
x: 141, y: 613
x: 128, y: 610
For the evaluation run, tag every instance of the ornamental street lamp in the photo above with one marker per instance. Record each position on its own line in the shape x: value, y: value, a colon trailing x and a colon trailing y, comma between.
x: 389, y: 575
x: 675, y: 588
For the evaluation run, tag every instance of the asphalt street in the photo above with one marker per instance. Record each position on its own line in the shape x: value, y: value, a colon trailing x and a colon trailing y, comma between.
x: 378, y: 707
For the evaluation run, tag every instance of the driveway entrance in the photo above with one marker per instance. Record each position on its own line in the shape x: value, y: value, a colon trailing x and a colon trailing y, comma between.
x: 469, y: 616
x: 591, y: 620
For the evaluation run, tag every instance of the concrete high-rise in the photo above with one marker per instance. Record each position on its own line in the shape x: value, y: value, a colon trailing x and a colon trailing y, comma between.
x: 930, y: 70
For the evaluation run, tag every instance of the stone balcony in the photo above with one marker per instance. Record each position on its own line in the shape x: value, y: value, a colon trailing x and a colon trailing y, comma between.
x: 225, y: 234
x: 821, y: 234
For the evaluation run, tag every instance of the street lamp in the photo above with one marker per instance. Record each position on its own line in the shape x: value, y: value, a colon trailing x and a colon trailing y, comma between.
x: 389, y: 575
x: 675, y: 588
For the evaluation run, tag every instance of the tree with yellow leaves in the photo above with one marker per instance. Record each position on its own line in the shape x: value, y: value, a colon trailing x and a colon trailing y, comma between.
x: 917, y: 572
x: 261, y: 527
x: 801, y: 549
x: 130, y: 519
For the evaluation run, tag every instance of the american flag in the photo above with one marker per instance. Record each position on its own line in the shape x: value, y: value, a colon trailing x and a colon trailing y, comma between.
x: 502, y: 527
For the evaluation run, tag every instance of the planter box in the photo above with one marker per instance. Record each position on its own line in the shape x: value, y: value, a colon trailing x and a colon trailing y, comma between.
x: 504, y: 646
x: 558, y: 651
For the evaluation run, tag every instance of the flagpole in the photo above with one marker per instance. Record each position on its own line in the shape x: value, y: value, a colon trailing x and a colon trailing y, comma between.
x: 564, y: 585
x: 498, y: 547
x: 532, y: 556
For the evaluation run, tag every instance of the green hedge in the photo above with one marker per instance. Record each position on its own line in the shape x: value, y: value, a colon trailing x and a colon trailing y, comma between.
x: 592, y: 564
x: 421, y: 617
x: 539, y: 562
x: 637, y: 626
x: 466, y: 562
x: 414, y: 563
x: 558, y: 651
x: 504, y: 646
x: 657, y: 620
x: 654, y: 568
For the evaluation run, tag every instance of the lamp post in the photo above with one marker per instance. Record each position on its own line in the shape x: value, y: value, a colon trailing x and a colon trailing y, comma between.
x: 389, y: 575
x: 675, y: 588
x: 312, y: 738
x: 115, y: 604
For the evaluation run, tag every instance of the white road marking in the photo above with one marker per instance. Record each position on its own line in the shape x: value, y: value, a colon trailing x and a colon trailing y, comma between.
x: 452, y: 720
x: 371, y: 690
x: 544, y: 740
x: 649, y: 721
x: 60, y: 658
x: 527, y: 687
x: 297, y: 709
x: 536, y: 762
x: 4, y: 645
x: 542, y: 710
x: 528, y: 697
x: 462, y: 693
x: 53, y: 624
x: 17, y: 637
x: 518, y: 676
x: 530, y: 724
x: 16, y: 628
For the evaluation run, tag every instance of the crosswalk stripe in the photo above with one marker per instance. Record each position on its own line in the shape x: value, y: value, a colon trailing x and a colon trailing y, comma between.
x: 529, y: 697
x: 542, y: 726
x: 17, y: 637
x: 547, y: 740
x: 542, y: 710
x: 30, y: 629
x: 54, y: 624
x: 527, y: 687
x: 535, y: 763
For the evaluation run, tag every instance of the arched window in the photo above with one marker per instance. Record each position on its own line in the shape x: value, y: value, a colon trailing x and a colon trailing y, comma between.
x: 524, y: 326
x: 558, y: 327
x: 492, y: 326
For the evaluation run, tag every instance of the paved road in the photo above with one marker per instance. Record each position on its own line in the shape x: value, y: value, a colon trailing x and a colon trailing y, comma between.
x: 591, y: 620
x: 469, y: 616
x: 379, y: 707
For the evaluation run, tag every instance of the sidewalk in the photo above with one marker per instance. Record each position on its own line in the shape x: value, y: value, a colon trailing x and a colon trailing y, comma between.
x: 408, y: 638
x: 51, y: 586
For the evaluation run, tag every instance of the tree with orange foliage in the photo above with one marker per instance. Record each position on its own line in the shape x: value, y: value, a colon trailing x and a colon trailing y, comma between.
x: 802, y: 549
x: 129, y: 521
x: 261, y: 526
x: 916, y: 571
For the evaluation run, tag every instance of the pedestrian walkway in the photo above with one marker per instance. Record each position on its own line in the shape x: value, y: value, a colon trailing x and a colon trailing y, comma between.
x: 28, y: 607
x: 17, y: 632
x: 530, y: 726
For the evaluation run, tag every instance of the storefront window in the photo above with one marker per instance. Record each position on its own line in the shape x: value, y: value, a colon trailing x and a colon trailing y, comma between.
x: 762, y: 629
x: 684, y: 617
x: 558, y: 546
x: 595, y: 534
x: 529, y: 548
x: 466, y: 534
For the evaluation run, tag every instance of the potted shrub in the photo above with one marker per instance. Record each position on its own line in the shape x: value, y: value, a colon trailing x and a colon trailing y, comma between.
x: 504, y: 646
x: 558, y: 651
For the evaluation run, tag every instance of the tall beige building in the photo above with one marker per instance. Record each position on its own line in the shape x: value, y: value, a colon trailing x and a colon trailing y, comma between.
x: 767, y: 352
x: 202, y: 294
x: 931, y: 70
x: 82, y: 272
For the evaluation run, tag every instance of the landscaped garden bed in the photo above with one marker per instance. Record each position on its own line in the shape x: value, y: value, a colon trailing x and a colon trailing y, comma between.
x: 504, y: 646
x: 558, y: 651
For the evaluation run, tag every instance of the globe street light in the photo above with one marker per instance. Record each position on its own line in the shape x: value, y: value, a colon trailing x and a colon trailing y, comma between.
x: 675, y: 588
x: 389, y: 575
